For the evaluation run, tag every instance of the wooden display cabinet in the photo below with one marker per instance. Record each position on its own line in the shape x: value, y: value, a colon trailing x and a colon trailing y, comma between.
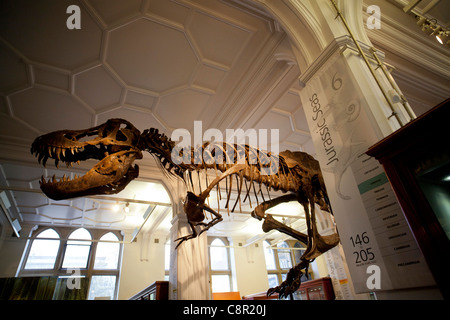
x: 318, y: 289
x: 416, y: 159
x: 158, y: 290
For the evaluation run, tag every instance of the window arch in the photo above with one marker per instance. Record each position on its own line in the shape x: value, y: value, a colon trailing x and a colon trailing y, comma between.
x: 220, y: 266
x: 284, y: 255
x: 280, y: 259
x: 44, y: 250
x: 269, y: 255
x: 167, y: 260
x: 77, y: 252
x: 219, y: 255
x: 107, y: 254
x: 96, y: 254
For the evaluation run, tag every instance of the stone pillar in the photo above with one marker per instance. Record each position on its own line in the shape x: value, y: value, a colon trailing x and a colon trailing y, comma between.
x: 189, y: 270
x: 346, y: 114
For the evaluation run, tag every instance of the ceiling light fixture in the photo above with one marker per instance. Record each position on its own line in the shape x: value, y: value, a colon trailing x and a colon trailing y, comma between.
x: 432, y: 28
x: 127, y: 208
x: 116, y: 207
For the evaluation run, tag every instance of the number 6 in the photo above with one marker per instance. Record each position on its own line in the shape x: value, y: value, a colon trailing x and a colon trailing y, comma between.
x: 336, y: 83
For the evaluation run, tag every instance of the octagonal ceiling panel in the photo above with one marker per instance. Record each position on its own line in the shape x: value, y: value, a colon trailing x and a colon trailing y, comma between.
x: 289, y: 102
x: 15, y: 69
x: 98, y: 88
x: 296, y: 138
x: 139, y: 99
x: 204, y: 30
x: 300, y: 121
x: 276, y: 121
x: 141, y: 120
x: 189, y: 103
x: 51, y: 77
x: 140, y: 53
x: 35, y: 105
x: 116, y: 11
x: 209, y: 77
x: 11, y: 127
x: 45, y: 38
x: 168, y: 10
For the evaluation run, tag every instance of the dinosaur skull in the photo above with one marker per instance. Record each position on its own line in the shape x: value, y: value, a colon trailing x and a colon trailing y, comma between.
x: 114, y: 143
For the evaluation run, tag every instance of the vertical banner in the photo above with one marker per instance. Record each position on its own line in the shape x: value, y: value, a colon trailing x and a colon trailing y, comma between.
x: 380, y: 250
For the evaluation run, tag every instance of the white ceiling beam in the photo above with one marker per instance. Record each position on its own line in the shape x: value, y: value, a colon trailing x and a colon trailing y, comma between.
x: 411, y: 5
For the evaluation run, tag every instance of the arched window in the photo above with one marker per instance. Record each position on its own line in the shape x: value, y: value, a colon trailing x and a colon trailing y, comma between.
x: 107, y: 255
x: 167, y: 260
x: 281, y: 259
x: 219, y: 255
x: 77, y: 252
x: 284, y: 255
x: 43, y: 252
x: 300, y: 250
x: 94, y: 253
x: 269, y: 255
x: 220, y: 266
x: 271, y: 265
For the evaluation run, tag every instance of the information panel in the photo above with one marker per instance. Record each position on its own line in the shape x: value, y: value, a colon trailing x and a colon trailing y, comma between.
x: 380, y: 250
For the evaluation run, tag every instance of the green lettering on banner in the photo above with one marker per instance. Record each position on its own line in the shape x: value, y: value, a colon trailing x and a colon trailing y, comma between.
x: 372, y: 183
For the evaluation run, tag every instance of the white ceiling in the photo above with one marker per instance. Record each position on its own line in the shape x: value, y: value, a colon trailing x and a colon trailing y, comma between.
x: 156, y: 63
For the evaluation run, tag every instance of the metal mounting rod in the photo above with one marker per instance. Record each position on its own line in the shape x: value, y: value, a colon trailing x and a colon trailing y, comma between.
x: 361, y: 52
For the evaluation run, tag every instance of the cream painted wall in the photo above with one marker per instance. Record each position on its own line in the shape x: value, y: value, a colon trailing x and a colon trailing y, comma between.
x: 250, y: 268
x: 142, y: 264
x: 11, y: 252
x: 11, y: 249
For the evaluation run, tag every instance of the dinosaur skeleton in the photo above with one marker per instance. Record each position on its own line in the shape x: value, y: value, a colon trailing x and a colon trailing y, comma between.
x: 117, y: 144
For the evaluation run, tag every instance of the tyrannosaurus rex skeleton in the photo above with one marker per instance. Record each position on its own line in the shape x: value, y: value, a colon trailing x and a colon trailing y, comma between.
x: 117, y: 143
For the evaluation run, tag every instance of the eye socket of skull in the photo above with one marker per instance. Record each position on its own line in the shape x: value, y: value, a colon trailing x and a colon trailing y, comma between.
x: 120, y: 131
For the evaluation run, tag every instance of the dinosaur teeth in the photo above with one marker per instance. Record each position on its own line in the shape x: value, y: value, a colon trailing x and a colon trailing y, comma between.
x: 44, y: 161
x: 53, y: 179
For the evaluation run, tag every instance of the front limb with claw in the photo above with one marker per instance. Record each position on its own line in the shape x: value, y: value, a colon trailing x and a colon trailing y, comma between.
x: 194, y: 206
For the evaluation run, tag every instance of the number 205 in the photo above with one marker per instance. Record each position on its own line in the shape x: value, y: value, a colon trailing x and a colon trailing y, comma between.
x: 364, y: 255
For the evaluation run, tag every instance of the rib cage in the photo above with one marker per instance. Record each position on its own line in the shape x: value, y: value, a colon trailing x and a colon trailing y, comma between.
x: 260, y: 167
x: 287, y: 172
